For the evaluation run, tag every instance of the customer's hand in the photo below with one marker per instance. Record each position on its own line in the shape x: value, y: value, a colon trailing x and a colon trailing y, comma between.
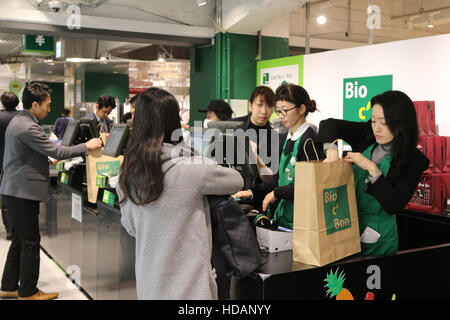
x: 332, y: 155
x: 94, y: 144
x: 245, y: 194
x: 362, y: 162
x: 270, y: 198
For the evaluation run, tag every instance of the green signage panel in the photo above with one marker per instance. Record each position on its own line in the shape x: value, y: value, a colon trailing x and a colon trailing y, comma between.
x: 109, y: 198
x: 359, y: 91
x: 275, y: 72
x: 37, y: 45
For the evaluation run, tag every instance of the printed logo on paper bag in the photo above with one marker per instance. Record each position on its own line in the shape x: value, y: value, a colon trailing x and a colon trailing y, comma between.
x: 111, y: 168
x: 359, y: 91
x: 336, y: 209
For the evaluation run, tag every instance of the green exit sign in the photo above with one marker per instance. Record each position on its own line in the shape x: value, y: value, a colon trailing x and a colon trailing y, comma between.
x: 37, y: 45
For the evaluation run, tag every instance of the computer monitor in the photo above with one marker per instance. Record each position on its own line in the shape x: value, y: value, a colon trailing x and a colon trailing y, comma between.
x: 117, y: 140
x: 223, y: 126
x: 71, y: 133
x: 232, y: 149
x: 88, y: 130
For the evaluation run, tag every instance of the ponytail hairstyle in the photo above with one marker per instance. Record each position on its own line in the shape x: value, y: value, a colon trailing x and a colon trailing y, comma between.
x: 156, y: 118
x: 297, y: 95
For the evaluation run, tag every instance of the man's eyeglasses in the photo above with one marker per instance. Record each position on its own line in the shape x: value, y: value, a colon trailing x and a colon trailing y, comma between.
x: 283, y: 112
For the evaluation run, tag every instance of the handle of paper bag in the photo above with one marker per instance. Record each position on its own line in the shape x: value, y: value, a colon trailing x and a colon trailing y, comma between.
x: 314, y: 147
x: 336, y: 141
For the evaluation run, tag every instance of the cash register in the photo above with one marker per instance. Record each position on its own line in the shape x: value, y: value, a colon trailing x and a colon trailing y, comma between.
x: 72, y: 172
x: 270, y: 236
x: 230, y: 134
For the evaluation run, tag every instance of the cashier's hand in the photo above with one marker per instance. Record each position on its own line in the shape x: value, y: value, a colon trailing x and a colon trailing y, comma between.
x: 270, y: 198
x: 362, y: 162
x: 245, y: 194
x: 94, y: 144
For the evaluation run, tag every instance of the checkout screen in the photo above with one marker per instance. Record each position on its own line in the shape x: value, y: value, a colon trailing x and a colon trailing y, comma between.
x: 69, y: 134
x: 114, y: 140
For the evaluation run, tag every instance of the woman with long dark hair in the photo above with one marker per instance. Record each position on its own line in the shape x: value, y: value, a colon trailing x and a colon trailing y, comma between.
x: 387, y: 166
x: 162, y: 190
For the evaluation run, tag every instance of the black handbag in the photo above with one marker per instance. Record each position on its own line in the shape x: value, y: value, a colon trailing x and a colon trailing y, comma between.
x: 235, y: 248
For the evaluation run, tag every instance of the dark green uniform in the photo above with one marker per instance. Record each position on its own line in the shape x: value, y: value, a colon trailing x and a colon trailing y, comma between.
x: 286, y: 175
x: 370, y: 212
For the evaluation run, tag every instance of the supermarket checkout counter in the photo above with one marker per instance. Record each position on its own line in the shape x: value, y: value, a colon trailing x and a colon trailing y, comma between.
x: 418, y: 271
x: 102, y: 252
x: 86, y: 239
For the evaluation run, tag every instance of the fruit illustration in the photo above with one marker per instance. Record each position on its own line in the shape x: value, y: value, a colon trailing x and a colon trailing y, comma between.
x: 335, y: 285
x: 369, y: 296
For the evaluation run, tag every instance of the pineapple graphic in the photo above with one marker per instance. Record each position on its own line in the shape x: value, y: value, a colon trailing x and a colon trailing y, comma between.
x: 335, y: 283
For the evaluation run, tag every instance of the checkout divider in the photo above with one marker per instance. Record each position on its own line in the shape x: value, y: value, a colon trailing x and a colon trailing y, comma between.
x: 88, y: 241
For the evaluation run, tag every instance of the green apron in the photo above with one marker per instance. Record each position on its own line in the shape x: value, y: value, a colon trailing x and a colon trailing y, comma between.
x: 370, y: 212
x: 286, y: 174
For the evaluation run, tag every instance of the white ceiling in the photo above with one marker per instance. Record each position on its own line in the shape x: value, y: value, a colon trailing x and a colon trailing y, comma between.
x: 184, y: 21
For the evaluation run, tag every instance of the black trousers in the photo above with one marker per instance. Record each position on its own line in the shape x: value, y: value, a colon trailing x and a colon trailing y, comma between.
x: 6, y: 223
x: 21, y: 270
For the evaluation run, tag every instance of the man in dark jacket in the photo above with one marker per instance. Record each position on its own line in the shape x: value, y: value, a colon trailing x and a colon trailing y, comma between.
x: 9, y: 101
x: 105, y: 104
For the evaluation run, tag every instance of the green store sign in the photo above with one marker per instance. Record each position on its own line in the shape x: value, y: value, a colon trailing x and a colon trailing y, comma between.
x: 37, y: 45
x: 359, y: 91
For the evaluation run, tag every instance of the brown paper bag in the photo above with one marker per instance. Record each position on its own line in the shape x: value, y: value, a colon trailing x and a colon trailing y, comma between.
x: 326, y: 225
x: 96, y: 164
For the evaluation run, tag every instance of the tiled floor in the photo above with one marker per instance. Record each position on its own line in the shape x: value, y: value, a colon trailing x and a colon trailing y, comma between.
x: 51, y: 277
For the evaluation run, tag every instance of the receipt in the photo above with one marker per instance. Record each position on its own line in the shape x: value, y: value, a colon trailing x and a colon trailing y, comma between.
x: 113, y: 181
x: 370, y: 236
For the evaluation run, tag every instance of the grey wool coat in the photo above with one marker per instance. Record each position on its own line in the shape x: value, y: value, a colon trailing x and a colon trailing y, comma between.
x: 25, y: 163
x: 173, y: 233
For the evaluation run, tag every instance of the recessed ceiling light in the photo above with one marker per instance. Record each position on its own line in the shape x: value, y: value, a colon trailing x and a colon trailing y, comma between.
x: 201, y: 2
x: 321, y: 19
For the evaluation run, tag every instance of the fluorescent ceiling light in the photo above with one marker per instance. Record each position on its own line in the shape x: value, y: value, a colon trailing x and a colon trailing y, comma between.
x: 201, y: 2
x: 79, y: 60
x: 321, y: 19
